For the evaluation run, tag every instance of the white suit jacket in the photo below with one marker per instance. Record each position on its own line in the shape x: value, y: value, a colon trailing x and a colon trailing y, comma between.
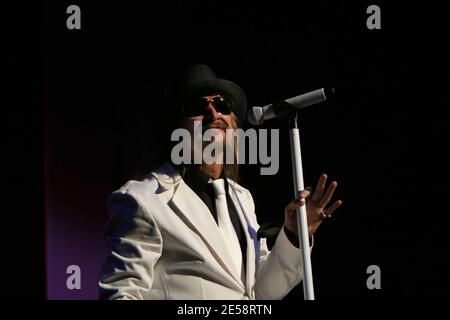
x: 163, y: 243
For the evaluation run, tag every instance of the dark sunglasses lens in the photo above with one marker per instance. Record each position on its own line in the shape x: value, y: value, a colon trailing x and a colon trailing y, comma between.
x: 222, y: 105
x: 199, y: 106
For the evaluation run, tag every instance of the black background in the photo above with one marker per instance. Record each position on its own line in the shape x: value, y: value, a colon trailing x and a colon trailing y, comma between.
x: 384, y: 137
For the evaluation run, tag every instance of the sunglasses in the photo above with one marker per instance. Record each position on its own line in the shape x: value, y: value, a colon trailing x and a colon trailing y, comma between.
x: 199, y: 106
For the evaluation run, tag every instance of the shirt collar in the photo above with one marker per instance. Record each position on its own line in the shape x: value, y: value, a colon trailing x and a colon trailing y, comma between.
x: 197, y: 180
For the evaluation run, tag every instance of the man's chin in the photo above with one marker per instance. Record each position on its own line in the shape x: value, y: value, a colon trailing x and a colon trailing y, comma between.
x: 218, y: 134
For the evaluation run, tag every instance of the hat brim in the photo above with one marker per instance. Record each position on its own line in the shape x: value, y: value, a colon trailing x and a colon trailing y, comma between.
x: 224, y: 87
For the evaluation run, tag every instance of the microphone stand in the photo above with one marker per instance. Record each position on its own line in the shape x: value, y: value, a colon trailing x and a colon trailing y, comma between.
x: 302, y: 223
x: 284, y: 110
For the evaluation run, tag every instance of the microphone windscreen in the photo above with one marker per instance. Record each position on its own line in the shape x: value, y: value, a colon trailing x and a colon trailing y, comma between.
x: 307, y: 99
x: 255, y: 115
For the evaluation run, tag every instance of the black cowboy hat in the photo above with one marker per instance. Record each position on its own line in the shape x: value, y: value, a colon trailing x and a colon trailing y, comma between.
x: 200, y: 80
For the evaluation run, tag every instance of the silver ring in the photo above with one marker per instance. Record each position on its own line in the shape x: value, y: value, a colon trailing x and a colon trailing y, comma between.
x: 324, y: 215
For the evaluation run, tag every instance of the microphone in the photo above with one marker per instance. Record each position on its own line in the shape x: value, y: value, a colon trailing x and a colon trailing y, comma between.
x: 257, y: 115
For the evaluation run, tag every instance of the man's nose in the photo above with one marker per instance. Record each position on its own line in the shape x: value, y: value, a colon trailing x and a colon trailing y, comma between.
x: 212, y: 111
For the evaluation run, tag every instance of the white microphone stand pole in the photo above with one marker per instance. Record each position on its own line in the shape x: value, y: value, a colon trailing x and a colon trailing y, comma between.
x: 302, y: 223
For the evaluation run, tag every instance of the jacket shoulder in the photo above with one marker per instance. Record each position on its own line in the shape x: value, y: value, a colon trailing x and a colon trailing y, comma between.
x: 137, y: 187
x: 163, y: 179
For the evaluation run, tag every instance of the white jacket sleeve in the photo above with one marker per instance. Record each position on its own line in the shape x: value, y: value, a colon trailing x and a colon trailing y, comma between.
x: 134, y: 245
x: 279, y: 270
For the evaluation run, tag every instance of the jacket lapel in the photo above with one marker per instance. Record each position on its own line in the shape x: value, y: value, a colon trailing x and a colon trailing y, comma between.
x: 196, y: 215
x: 250, y: 263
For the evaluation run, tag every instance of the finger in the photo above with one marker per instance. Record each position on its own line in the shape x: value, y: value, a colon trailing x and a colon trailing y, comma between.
x: 327, y: 196
x: 318, y: 192
x: 294, y: 204
x: 310, y: 192
x: 329, y: 211
x: 305, y: 193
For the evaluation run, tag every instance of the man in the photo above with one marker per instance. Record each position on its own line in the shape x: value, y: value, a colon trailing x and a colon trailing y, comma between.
x: 190, y: 231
